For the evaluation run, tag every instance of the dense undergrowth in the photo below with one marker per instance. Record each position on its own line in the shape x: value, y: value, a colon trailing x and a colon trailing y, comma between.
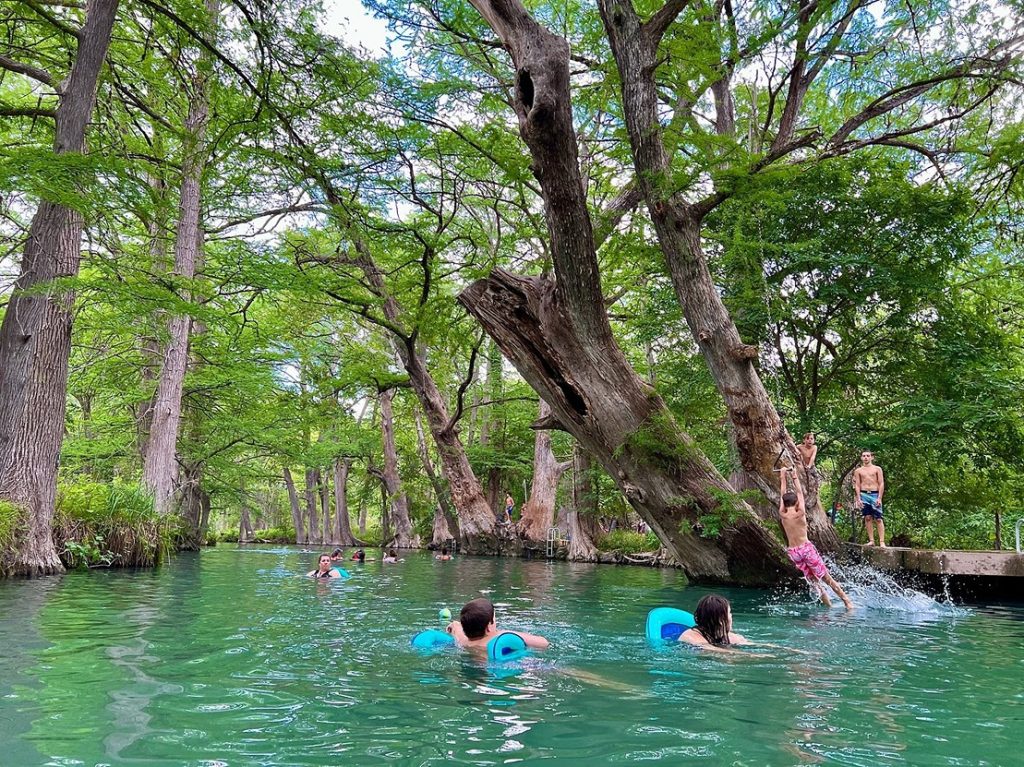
x: 100, y: 524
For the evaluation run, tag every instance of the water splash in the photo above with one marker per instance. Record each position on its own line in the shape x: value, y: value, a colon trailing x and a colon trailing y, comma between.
x: 878, y: 590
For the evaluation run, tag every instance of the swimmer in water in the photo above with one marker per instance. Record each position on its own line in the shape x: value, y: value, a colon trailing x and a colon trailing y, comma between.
x: 324, y: 569
x: 444, y: 556
x: 476, y: 627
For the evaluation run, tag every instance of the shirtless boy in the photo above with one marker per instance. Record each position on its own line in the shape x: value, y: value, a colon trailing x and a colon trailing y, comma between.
x: 868, y: 489
x: 476, y: 627
x: 808, y: 451
x: 801, y: 551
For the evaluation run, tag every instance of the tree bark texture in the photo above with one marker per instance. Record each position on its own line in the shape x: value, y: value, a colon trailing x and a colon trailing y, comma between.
x: 760, y: 435
x: 397, y: 499
x: 342, y: 524
x: 558, y: 337
x: 194, y: 507
x: 293, y: 502
x: 312, y: 518
x: 160, y: 466
x: 245, y: 531
x: 582, y: 521
x: 447, y: 527
x: 539, y: 510
x: 35, y: 337
x: 325, y: 509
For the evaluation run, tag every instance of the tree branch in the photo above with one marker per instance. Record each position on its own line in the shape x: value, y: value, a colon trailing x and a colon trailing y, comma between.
x: 6, y: 110
x: 40, y: 75
x: 656, y: 26
x: 460, y: 398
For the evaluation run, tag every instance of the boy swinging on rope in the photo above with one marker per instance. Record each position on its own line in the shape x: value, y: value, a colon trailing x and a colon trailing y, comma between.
x: 801, y: 551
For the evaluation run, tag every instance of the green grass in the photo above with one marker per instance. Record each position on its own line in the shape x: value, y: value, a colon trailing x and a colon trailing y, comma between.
x: 102, y: 524
x: 11, y: 524
x: 628, y: 542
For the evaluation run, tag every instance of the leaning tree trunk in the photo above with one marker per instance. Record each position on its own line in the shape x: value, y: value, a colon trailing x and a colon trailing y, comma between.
x: 160, y: 467
x: 293, y: 502
x: 476, y: 519
x: 558, y: 337
x: 342, y: 524
x: 35, y: 337
x: 398, y: 502
x: 539, y: 510
x: 760, y: 435
x: 447, y: 527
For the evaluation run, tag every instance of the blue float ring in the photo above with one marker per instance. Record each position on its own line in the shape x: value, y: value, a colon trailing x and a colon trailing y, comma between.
x: 506, y: 646
x: 666, y: 624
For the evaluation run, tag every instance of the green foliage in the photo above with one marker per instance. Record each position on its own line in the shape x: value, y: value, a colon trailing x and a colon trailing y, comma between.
x: 270, y: 535
x: 102, y: 524
x: 628, y: 542
x: 12, y: 524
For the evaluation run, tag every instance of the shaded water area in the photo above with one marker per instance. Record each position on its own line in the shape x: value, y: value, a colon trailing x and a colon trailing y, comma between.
x: 227, y: 657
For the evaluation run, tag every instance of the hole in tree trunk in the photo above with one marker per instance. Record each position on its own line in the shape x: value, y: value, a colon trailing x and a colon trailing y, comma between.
x: 525, y: 85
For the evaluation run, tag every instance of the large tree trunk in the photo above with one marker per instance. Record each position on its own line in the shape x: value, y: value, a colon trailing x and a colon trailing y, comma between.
x: 539, y: 511
x: 583, y: 524
x: 342, y: 524
x: 35, y: 338
x: 194, y: 507
x: 760, y: 435
x: 313, y: 528
x: 245, y: 531
x: 397, y: 499
x: 445, y: 525
x: 159, y: 469
x: 325, y: 509
x: 558, y: 337
x: 293, y: 502
x: 476, y: 519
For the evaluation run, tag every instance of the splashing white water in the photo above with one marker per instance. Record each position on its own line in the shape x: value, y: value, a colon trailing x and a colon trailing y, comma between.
x: 878, y: 590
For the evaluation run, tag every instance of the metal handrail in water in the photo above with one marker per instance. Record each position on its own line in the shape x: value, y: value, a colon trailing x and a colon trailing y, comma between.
x: 1016, y: 534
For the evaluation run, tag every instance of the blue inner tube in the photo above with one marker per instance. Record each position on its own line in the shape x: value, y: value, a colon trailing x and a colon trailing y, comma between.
x: 506, y: 646
x: 342, y: 572
x: 432, y: 639
x: 666, y: 624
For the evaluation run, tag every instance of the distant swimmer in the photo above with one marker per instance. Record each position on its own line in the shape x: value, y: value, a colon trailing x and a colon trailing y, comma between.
x: 337, y: 555
x: 391, y: 557
x: 359, y: 556
x: 444, y: 556
x: 324, y: 569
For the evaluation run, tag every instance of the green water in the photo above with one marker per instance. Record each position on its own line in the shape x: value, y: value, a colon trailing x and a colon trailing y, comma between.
x: 228, y: 658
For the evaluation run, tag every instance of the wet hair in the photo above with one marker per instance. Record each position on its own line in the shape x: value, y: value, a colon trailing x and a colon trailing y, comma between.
x: 712, y: 618
x: 475, y: 617
x: 789, y: 499
x: 392, y: 553
x: 444, y: 551
x: 336, y: 553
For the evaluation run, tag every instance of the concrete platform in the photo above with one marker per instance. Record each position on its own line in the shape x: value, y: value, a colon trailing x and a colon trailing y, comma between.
x: 1002, y: 564
x: 968, y: 574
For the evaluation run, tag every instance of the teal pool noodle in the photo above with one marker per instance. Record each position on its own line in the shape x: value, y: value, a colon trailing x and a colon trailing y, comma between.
x: 506, y: 646
x: 666, y: 624
x: 432, y: 639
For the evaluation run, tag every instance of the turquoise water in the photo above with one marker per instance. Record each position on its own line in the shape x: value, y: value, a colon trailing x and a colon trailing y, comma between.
x: 228, y: 658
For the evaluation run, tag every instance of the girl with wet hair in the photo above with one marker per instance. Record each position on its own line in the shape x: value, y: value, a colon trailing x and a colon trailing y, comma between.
x: 713, y: 631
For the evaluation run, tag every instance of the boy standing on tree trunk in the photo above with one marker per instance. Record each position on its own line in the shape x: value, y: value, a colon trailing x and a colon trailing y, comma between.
x: 868, y: 489
x: 801, y: 551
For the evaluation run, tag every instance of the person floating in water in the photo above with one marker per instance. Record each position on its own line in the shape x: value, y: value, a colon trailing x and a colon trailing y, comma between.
x: 444, y: 556
x: 868, y: 489
x: 476, y: 627
x: 390, y: 557
x: 359, y: 556
x: 808, y: 451
x: 803, y: 554
x: 337, y: 555
x: 324, y: 569
x: 713, y: 616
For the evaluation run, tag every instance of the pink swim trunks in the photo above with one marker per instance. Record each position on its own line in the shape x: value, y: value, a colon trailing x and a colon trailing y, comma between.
x: 808, y: 561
